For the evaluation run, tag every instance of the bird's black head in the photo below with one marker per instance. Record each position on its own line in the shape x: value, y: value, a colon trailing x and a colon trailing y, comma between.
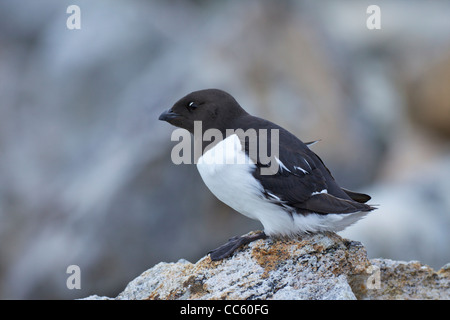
x: 215, y: 108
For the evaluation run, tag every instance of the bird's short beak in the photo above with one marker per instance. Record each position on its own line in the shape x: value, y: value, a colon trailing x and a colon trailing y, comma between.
x: 168, y: 115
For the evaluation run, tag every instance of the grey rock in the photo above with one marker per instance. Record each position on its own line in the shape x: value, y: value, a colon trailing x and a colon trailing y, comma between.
x: 409, y: 280
x: 320, y: 266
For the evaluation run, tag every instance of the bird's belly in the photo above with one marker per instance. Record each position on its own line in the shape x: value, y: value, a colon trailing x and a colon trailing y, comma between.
x: 227, y: 172
x: 238, y: 194
x: 235, y: 186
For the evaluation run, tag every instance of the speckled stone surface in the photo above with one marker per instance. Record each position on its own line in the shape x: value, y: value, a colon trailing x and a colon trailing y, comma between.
x: 320, y: 266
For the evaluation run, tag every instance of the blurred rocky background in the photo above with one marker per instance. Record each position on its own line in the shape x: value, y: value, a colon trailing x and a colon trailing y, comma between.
x: 85, y: 170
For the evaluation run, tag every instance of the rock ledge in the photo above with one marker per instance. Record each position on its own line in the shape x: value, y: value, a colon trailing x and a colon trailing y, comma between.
x: 320, y: 266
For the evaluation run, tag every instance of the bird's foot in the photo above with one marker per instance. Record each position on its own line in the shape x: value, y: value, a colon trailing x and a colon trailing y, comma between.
x: 234, y: 243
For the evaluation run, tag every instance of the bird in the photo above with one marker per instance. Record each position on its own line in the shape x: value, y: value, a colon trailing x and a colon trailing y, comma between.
x: 291, y: 195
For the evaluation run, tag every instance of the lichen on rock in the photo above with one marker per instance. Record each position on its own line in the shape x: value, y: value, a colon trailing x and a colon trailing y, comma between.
x: 318, y: 266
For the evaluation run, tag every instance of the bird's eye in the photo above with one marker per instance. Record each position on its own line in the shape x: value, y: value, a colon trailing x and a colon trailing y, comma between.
x: 192, y: 105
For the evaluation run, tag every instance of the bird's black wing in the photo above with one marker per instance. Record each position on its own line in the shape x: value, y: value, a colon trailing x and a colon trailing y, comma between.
x: 301, y: 180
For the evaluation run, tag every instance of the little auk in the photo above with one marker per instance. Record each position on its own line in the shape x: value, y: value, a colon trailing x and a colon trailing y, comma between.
x: 297, y: 195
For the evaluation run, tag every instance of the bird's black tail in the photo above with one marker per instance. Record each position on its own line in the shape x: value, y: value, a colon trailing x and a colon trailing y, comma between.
x: 358, y: 197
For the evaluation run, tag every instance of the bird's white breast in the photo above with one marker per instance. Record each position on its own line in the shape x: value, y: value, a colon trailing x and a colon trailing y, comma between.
x: 227, y: 172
